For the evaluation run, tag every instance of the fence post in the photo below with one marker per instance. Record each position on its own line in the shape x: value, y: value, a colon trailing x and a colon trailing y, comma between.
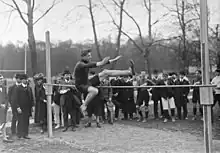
x: 48, y: 87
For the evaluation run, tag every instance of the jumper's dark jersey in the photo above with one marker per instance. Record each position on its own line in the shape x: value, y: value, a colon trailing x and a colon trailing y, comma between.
x: 81, y: 73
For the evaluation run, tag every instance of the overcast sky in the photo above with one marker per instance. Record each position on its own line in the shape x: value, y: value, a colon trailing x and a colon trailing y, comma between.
x: 77, y: 24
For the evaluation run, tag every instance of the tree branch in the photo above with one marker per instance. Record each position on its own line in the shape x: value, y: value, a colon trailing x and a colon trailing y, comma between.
x: 19, y: 12
x: 33, y: 5
x: 135, y: 22
x: 146, y: 6
x: 194, y: 19
x: 47, y: 11
x: 124, y: 33
x: 74, y: 8
x: 160, y: 18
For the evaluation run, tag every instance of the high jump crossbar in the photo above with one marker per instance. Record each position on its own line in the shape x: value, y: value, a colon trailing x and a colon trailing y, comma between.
x: 12, y: 70
x: 162, y: 86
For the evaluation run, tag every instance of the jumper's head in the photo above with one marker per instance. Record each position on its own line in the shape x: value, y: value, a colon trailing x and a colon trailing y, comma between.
x: 86, y: 55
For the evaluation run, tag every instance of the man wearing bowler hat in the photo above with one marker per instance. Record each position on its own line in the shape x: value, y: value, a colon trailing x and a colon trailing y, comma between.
x: 24, y: 103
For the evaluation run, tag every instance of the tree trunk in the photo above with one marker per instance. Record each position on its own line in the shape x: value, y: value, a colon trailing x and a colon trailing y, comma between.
x: 150, y: 39
x: 94, y: 31
x: 118, y: 45
x: 31, y: 39
x: 32, y: 49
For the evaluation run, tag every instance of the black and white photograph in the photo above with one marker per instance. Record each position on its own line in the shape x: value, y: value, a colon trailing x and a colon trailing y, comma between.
x: 110, y: 76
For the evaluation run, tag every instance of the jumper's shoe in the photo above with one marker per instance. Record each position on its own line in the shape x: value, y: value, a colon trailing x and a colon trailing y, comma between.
x: 173, y: 119
x: 83, y: 109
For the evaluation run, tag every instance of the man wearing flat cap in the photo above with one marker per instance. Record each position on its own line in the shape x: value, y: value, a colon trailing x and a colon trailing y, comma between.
x: 11, y: 97
x: 67, y: 100
x: 24, y: 103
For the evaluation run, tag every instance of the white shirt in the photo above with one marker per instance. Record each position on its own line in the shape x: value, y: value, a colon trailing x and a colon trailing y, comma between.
x: 216, y: 81
x: 18, y: 84
x: 24, y: 85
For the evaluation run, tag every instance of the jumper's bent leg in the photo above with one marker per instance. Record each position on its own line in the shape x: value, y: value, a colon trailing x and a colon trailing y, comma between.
x: 112, y: 73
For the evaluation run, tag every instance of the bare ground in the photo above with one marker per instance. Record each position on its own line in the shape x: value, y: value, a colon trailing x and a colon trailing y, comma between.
x: 122, y: 137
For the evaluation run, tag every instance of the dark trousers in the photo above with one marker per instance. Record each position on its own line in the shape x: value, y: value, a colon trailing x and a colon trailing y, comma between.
x: 143, y: 96
x: 66, y: 112
x: 185, y: 111
x: 14, y: 121
x: 36, y: 113
x: 117, y: 107
x: 156, y: 107
x: 23, y: 123
x: 78, y: 115
x: 126, y: 115
x: 216, y: 100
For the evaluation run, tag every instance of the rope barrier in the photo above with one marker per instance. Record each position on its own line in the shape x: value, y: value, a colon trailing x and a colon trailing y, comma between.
x: 162, y: 86
x: 12, y: 70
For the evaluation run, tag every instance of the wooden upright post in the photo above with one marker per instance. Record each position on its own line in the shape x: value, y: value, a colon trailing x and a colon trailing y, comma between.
x: 206, y: 101
x: 48, y: 87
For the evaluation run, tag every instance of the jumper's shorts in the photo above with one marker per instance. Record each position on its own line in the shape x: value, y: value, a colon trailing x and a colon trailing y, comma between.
x: 94, y: 81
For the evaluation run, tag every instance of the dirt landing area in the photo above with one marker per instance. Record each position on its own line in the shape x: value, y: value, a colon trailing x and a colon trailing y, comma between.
x: 118, y: 138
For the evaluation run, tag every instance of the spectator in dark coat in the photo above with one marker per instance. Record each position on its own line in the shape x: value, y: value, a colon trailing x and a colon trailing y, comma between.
x: 181, y: 95
x: 167, y: 97
x: 196, y: 95
x: 24, y: 103
x: 41, y: 99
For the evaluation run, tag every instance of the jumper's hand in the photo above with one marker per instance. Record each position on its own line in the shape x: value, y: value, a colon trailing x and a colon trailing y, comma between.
x: 105, y: 60
x: 115, y: 59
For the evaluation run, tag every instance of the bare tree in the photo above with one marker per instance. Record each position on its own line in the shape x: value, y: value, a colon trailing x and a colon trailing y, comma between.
x: 94, y: 30
x: 186, y: 13
x: 118, y: 43
x: 27, y: 17
x: 144, y: 46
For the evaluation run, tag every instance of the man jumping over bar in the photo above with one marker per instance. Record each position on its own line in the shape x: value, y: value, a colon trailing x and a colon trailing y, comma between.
x: 81, y: 75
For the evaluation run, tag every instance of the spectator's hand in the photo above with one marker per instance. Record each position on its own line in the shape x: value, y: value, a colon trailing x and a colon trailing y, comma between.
x: 19, y: 110
x: 116, y: 94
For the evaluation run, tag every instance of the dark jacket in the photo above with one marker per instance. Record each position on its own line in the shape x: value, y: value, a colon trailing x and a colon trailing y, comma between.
x: 181, y: 93
x: 24, y: 99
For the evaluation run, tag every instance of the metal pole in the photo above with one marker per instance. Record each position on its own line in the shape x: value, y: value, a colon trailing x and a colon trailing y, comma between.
x: 49, y: 88
x: 205, y: 75
x: 25, y: 59
x: 11, y: 70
